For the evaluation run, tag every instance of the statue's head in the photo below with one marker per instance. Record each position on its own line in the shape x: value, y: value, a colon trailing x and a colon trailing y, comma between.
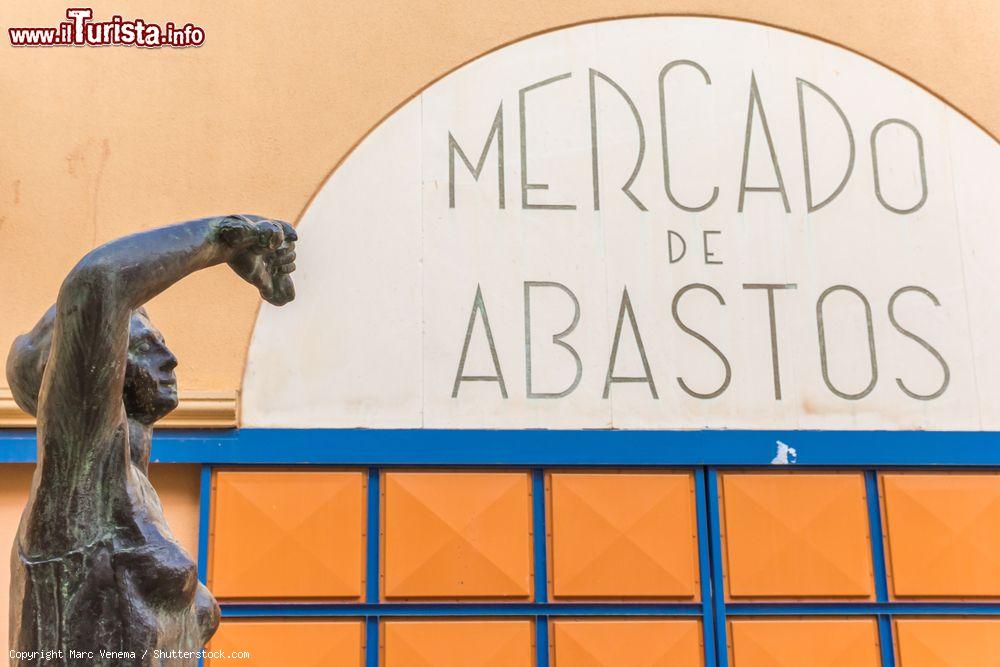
x: 150, y: 383
x: 150, y: 390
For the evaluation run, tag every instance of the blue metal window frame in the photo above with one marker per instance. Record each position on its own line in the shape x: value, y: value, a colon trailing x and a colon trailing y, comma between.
x: 532, y: 448
x: 706, y: 453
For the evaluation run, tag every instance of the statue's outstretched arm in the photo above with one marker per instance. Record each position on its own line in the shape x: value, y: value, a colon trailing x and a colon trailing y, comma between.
x: 80, y: 403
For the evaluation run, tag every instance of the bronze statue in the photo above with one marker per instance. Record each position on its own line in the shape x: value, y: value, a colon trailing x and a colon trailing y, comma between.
x: 96, y: 576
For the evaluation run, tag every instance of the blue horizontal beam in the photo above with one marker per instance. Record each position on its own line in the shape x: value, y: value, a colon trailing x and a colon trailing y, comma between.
x: 416, y: 447
x: 568, y: 609
x: 864, y: 609
x: 240, y: 610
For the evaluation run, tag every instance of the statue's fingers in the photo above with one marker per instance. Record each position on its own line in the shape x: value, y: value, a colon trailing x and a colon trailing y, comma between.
x: 237, y: 231
x: 266, y: 290
x: 276, y: 235
x: 286, y: 268
x: 285, y: 291
x: 269, y: 236
x: 288, y: 230
x: 281, y: 296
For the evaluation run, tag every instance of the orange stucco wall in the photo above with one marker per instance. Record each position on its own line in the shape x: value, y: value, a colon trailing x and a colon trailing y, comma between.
x: 101, y: 142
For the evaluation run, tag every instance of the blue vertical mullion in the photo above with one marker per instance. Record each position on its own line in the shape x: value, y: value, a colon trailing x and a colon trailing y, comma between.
x: 540, y: 535
x: 875, y: 533
x: 541, y: 641
x: 705, y: 568
x: 541, y: 567
x: 372, y: 564
x: 886, y: 644
x: 885, y: 641
x: 371, y: 641
x: 718, y: 584
x: 204, y: 519
x: 372, y: 572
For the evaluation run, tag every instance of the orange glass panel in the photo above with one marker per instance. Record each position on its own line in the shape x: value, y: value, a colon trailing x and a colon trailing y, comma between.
x: 624, y: 535
x: 943, y: 536
x: 457, y: 534
x: 303, y: 644
x: 796, y: 535
x: 283, y: 534
x: 812, y: 643
x: 642, y: 643
x: 457, y: 644
x: 948, y: 643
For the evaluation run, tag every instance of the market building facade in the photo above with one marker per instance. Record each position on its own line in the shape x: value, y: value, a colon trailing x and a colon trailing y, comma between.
x: 637, y: 341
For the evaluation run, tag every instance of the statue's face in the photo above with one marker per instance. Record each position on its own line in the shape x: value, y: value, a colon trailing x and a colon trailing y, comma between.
x: 150, y: 382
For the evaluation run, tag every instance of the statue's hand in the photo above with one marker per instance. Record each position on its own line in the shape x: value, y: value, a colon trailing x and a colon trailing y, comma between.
x: 265, y: 254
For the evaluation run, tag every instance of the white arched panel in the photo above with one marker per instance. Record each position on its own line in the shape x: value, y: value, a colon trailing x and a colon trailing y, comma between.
x: 806, y: 240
